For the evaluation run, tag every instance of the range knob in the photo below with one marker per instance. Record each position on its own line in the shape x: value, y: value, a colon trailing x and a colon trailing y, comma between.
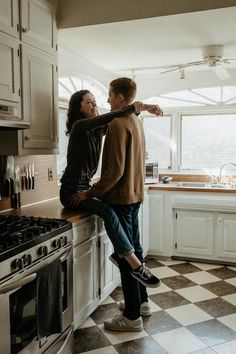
x: 43, y: 251
x: 17, y: 264
x: 56, y: 243
x: 26, y: 259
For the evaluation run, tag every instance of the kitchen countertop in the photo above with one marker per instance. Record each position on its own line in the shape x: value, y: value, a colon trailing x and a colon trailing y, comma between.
x: 53, y: 208
x: 172, y: 187
x: 48, y: 209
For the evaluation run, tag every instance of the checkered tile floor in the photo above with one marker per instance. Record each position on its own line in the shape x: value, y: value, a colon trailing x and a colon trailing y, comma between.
x: 193, y: 311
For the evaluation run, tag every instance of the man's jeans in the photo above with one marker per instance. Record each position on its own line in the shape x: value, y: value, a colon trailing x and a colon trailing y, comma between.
x: 134, y: 292
x: 115, y: 231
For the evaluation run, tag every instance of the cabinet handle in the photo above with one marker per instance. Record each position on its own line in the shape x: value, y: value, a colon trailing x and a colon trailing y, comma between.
x: 219, y: 220
x: 25, y: 29
x: 27, y: 137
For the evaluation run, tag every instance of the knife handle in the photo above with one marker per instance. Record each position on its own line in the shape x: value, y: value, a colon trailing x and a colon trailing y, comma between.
x: 7, y: 188
x: 32, y: 182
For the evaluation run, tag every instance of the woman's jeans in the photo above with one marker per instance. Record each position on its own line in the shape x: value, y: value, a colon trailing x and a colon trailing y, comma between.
x: 115, y: 231
x: 134, y: 292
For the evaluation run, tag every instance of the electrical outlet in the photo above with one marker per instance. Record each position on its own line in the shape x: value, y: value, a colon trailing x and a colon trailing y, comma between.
x: 50, y: 174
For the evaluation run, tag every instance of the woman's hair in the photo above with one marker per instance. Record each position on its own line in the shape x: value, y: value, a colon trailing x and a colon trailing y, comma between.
x: 125, y: 86
x: 74, y: 112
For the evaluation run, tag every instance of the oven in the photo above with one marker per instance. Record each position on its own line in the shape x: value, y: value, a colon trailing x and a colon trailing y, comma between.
x: 36, y: 291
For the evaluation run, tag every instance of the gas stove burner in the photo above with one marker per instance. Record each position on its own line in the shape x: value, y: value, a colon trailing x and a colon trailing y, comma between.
x: 20, y: 232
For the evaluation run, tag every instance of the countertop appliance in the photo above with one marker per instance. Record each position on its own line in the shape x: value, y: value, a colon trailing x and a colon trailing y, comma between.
x: 29, y: 248
x: 152, y: 175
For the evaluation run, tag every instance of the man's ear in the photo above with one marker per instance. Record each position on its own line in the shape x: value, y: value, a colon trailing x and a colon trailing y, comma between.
x: 121, y: 97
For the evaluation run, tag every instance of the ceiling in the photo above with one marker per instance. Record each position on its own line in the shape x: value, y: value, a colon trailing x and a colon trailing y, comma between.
x: 122, y: 47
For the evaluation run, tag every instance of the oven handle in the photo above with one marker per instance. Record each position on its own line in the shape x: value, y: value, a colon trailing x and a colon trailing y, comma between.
x: 18, y: 284
x: 65, y: 342
x: 65, y: 254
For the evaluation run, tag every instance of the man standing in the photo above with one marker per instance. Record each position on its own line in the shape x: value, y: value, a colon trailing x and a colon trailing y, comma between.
x: 122, y: 186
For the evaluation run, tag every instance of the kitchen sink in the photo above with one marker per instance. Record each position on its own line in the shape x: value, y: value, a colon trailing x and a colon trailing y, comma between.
x: 192, y: 184
x: 223, y: 185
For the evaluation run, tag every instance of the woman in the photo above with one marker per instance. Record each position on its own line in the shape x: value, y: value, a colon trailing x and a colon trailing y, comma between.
x: 86, y: 129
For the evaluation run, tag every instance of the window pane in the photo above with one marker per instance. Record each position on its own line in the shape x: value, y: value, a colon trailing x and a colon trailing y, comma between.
x: 208, y: 141
x: 158, y: 140
x: 63, y: 141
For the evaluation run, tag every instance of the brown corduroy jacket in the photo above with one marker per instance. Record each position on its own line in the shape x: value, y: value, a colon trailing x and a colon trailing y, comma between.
x: 123, y: 163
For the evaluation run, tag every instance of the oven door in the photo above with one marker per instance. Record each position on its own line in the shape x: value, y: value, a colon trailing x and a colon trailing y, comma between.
x: 18, y: 301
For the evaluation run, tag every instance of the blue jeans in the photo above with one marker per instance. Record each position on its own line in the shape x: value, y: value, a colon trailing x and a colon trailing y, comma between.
x: 115, y: 231
x: 134, y: 292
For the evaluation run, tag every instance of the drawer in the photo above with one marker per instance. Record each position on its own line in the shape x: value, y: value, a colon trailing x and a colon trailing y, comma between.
x: 84, y: 230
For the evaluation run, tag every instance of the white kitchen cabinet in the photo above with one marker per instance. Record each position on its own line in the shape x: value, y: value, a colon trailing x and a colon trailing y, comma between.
x: 144, y: 224
x: 193, y: 233
x: 109, y: 273
x: 85, y: 280
x: 9, y: 69
x: 226, y: 236
x: 38, y: 25
x: 37, y: 39
x: 39, y: 78
x: 156, y: 224
x: 9, y: 17
x: 95, y: 277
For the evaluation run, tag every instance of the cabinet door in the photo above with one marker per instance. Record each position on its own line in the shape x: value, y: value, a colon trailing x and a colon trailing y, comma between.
x: 9, y: 17
x: 9, y: 69
x: 156, y: 224
x: 39, y: 99
x: 193, y: 233
x: 109, y: 273
x: 85, y: 280
x: 226, y: 236
x: 144, y: 225
x: 38, y: 25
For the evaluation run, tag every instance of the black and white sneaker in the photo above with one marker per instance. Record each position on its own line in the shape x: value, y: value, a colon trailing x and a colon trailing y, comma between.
x: 144, y: 276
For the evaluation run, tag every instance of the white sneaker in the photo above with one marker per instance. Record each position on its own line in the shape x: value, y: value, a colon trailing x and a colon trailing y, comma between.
x: 145, y: 309
x: 122, y: 324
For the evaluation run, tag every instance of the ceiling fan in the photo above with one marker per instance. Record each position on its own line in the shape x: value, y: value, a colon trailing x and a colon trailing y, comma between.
x: 212, y: 57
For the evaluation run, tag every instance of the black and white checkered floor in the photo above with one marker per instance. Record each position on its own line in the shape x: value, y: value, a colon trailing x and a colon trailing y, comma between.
x: 193, y: 311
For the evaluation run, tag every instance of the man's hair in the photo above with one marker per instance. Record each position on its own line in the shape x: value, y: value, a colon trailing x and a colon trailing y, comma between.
x: 125, y: 86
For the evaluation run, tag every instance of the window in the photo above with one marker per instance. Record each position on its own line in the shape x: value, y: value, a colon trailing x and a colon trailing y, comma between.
x: 207, y: 141
x: 198, y: 135
x: 158, y: 141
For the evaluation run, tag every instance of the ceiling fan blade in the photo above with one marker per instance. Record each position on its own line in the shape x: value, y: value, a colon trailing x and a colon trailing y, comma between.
x: 221, y: 72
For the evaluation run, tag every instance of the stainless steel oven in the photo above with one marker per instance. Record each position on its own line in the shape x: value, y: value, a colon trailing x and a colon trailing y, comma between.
x: 25, y: 269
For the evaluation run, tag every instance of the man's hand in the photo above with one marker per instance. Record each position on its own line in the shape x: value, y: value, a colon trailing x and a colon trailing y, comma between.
x: 77, y: 198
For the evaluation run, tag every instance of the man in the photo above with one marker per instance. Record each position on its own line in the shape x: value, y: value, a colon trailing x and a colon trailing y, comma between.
x: 122, y: 186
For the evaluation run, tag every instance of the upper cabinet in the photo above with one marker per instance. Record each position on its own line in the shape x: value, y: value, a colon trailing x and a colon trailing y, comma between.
x: 38, y: 25
x: 28, y: 80
x: 9, y: 17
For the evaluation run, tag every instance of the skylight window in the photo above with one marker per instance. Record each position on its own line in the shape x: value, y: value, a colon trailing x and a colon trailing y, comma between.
x: 71, y: 84
x: 205, y: 97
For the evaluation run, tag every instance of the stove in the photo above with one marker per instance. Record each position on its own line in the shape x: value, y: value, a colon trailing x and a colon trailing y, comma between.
x: 36, y: 257
x: 25, y: 240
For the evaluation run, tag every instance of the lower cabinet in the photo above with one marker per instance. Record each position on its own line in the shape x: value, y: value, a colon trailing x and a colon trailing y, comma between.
x: 156, y: 224
x: 226, y: 236
x: 205, y: 235
x: 85, y: 280
x: 193, y: 233
x: 95, y: 277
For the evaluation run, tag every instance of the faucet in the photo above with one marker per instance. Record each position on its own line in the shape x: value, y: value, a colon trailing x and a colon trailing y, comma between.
x: 221, y: 168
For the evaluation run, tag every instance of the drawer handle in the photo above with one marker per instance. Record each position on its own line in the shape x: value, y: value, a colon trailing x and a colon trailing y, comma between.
x: 27, y: 137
